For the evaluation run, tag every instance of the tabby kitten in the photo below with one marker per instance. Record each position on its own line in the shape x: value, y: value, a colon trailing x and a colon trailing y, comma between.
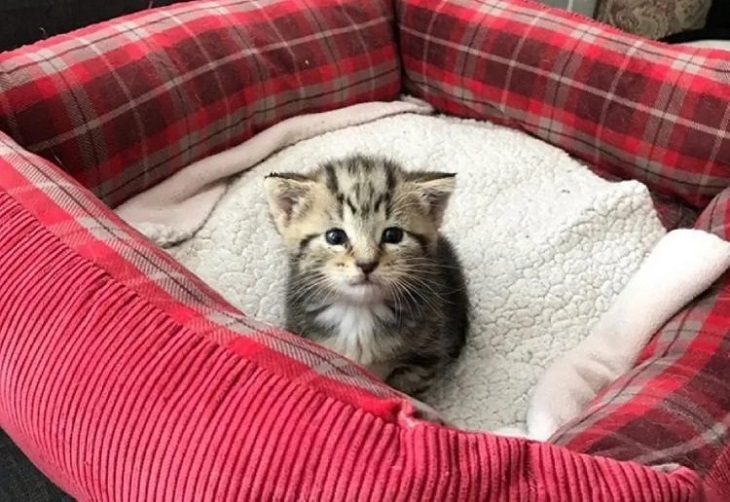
x: 370, y: 276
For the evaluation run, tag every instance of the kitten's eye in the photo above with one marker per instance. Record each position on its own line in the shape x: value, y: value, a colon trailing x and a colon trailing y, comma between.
x: 392, y: 235
x: 335, y: 237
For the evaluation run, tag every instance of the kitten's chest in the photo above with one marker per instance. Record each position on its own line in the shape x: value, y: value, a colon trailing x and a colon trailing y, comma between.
x: 359, y: 332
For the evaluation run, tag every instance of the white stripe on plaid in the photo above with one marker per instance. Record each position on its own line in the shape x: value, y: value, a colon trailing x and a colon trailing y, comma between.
x: 172, y: 278
x: 178, y: 80
x: 574, y: 84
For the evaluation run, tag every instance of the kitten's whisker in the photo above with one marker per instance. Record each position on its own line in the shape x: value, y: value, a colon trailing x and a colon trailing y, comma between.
x: 428, y: 300
x: 418, y: 298
x: 315, y: 287
x: 322, y: 307
x: 427, y: 260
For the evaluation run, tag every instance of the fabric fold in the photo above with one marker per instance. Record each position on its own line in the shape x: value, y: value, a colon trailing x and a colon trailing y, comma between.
x: 681, y: 266
x: 175, y: 209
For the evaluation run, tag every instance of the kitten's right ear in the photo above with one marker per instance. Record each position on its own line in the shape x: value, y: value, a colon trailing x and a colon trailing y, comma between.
x: 434, y: 189
x: 288, y: 197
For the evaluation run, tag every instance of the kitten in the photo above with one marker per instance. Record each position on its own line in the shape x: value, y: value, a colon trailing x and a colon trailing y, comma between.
x: 370, y: 276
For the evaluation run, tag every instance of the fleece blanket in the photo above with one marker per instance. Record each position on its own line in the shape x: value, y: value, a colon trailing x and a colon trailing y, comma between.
x: 546, y: 246
x: 682, y: 265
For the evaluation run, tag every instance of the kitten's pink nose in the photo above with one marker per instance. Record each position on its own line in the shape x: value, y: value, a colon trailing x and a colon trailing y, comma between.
x: 367, y: 266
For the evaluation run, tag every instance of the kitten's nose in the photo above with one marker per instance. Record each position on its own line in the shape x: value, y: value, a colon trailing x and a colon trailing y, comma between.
x: 367, y: 266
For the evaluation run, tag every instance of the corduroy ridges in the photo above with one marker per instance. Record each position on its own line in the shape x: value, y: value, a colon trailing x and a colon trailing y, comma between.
x: 124, y: 377
x: 116, y: 398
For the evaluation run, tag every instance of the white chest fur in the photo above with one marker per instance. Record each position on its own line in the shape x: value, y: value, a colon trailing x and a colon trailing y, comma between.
x: 355, y: 327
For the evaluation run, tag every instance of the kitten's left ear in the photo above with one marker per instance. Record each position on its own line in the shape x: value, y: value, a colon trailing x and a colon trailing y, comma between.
x: 288, y: 196
x: 434, y: 190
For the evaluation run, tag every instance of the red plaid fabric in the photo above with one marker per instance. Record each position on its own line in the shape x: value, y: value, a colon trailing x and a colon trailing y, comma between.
x: 125, y: 104
x: 84, y: 223
x: 627, y: 106
x: 630, y: 108
x: 123, y: 377
x: 674, y: 406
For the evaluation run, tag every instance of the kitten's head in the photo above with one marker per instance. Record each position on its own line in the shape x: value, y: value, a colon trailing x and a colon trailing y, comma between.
x: 361, y: 227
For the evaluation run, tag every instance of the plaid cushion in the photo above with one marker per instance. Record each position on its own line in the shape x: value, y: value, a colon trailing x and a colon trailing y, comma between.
x: 123, y: 377
x: 627, y: 106
x: 673, y: 407
x: 631, y: 109
x: 124, y: 104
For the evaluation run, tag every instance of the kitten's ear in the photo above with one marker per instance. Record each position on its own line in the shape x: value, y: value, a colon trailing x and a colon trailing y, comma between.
x: 434, y: 190
x: 288, y: 197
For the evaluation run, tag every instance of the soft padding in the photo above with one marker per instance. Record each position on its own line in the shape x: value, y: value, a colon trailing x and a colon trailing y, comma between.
x: 628, y: 106
x: 123, y: 377
x: 125, y: 104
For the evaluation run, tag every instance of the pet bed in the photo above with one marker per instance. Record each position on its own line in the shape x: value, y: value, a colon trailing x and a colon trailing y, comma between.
x: 535, y: 291
x: 125, y: 377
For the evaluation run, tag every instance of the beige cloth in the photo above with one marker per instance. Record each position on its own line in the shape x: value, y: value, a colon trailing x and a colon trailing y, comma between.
x: 681, y: 266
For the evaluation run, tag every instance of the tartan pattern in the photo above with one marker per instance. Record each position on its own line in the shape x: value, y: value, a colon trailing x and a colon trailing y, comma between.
x: 674, y: 406
x: 716, y: 216
x: 627, y: 106
x: 683, y: 367
x: 630, y: 108
x: 673, y: 214
x: 125, y: 104
x: 261, y: 399
x: 85, y: 224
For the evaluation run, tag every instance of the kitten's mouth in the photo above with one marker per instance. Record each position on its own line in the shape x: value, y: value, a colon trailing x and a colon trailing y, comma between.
x: 363, y: 286
x: 364, y: 281
x: 364, y: 289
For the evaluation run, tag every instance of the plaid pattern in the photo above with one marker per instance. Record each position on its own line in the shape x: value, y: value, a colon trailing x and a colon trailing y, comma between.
x: 125, y: 104
x: 673, y: 214
x: 236, y: 372
x: 85, y: 224
x: 210, y: 405
x: 674, y: 406
x: 630, y: 108
x: 627, y: 106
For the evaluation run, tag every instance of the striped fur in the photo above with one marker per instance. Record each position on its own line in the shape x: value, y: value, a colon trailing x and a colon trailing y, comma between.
x: 370, y: 276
